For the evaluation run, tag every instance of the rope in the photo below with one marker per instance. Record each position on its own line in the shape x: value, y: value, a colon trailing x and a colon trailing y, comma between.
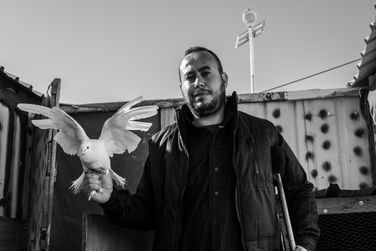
x: 313, y: 75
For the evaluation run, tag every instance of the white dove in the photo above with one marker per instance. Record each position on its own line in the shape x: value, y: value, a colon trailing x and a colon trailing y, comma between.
x: 95, y: 154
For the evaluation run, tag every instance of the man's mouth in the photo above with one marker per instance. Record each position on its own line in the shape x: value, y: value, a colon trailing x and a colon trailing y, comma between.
x: 200, y: 94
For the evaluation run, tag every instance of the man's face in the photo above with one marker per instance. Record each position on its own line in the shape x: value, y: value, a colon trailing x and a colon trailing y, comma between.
x: 202, y: 85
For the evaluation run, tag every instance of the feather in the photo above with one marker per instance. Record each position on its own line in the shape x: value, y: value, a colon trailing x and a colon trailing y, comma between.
x: 70, y: 135
x: 37, y: 109
x: 77, y: 184
x: 137, y: 125
x: 115, y: 132
x: 139, y: 112
x: 131, y: 103
x: 120, y: 181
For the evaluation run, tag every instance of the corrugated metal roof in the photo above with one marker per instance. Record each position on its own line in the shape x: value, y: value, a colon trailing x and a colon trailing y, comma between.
x: 16, y: 79
x: 367, y: 66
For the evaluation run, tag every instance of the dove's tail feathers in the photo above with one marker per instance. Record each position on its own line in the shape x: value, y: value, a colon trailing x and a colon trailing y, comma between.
x: 141, y: 112
x: 76, y: 185
x: 37, y: 109
x: 137, y: 125
x: 120, y: 181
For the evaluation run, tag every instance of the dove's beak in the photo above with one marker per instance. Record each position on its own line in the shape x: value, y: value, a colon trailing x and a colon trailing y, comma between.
x: 81, y: 151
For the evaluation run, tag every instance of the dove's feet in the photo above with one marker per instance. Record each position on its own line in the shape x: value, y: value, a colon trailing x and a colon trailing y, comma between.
x: 92, y: 193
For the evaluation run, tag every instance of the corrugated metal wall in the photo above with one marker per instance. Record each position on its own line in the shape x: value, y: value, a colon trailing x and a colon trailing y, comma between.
x: 324, y: 128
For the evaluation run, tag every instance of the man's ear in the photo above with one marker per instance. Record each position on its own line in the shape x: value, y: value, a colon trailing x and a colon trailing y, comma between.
x: 224, y: 78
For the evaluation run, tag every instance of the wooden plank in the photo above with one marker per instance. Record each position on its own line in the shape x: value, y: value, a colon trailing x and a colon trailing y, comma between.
x: 42, y: 179
x: 50, y: 174
x: 99, y: 234
x: 27, y: 169
x: 15, y: 179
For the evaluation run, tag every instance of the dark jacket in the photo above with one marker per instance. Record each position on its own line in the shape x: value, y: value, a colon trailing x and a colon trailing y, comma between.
x: 157, y: 203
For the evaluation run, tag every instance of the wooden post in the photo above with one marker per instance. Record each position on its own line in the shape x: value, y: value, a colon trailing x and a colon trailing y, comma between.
x: 49, y: 179
x: 98, y: 234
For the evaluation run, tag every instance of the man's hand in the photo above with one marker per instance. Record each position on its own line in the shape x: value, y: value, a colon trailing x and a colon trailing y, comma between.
x: 100, y: 183
x: 372, y: 104
x: 300, y: 248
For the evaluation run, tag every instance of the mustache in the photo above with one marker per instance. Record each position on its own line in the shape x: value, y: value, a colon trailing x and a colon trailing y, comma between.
x: 201, y: 91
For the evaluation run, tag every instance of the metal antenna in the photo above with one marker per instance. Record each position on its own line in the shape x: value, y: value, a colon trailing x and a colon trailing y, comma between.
x: 249, y: 20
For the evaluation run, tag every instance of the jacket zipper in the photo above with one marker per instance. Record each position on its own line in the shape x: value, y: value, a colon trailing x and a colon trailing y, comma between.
x: 257, y: 171
x: 235, y: 161
x: 183, y: 190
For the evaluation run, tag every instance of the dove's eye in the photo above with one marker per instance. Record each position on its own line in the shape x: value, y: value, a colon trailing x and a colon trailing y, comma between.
x: 87, y: 147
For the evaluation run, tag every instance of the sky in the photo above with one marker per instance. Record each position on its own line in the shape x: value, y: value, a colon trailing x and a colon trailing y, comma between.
x: 114, y: 51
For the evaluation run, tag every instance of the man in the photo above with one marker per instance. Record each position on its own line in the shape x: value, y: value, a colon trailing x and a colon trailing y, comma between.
x: 208, y: 181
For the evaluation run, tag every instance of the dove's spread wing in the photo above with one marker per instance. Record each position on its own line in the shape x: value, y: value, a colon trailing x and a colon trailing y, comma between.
x: 116, y: 132
x: 70, y: 135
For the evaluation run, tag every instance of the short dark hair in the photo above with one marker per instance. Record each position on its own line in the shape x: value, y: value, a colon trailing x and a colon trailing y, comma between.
x: 201, y: 49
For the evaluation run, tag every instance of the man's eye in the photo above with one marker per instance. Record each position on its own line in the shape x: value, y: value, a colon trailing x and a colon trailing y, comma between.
x: 205, y: 74
x: 190, y: 78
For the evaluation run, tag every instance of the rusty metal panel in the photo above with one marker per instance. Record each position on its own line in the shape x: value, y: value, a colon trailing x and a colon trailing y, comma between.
x: 328, y: 136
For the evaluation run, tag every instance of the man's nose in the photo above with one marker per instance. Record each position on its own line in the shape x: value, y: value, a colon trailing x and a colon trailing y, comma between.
x: 200, y: 82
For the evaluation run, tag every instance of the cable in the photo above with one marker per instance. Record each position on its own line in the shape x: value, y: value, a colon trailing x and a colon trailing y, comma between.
x: 310, y: 76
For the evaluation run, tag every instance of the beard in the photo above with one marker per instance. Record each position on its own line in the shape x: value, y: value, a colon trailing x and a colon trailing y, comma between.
x: 200, y: 108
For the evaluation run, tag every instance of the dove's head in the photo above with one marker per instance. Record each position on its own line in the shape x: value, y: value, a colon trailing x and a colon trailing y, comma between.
x: 86, y: 150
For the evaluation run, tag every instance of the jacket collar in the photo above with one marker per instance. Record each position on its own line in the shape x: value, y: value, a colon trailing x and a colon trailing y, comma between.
x: 184, y: 116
